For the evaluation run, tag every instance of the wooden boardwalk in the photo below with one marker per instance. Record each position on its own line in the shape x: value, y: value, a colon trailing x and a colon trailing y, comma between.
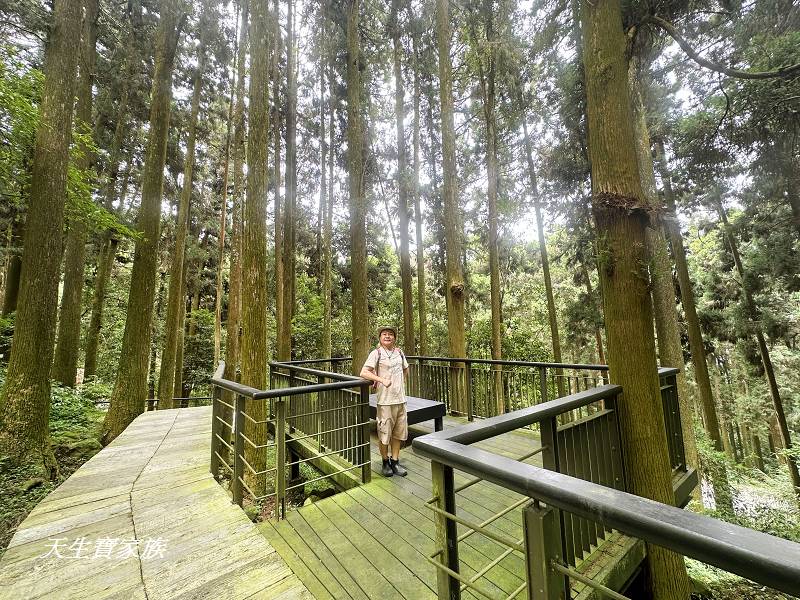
x: 372, y: 541
x: 143, y: 519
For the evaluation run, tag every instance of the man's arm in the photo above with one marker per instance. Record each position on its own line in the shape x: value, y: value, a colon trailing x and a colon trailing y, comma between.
x: 369, y: 373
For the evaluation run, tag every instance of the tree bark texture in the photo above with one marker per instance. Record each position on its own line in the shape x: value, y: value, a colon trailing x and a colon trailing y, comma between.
x: 130, y: 388
x: 25, y: 398
x: 276, y: 98
x: 166, y: 379
x: 665, y: 314
x: 254, y: 243
x: 621, y: 213
x: 487, y: 77
x: 223, y: 209
x: 402, y: 179
x: 422, y: 303
x: 358, y: 201
x: 455, y: 287
x: 284, y: 341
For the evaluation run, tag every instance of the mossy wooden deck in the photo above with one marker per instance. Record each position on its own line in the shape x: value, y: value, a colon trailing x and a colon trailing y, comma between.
x: 151, y: 483
x: 372, y: 541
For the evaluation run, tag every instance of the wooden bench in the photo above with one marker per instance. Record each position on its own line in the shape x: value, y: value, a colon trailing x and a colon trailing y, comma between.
x: 417, y: 409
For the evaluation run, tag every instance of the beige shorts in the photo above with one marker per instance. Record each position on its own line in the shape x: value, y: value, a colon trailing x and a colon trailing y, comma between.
x: 392, y: 422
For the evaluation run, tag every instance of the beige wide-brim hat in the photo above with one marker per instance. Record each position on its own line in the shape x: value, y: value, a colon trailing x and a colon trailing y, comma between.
x: 387, y: 328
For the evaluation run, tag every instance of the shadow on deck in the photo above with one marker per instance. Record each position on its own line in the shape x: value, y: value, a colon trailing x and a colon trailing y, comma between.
x: 373, y: 541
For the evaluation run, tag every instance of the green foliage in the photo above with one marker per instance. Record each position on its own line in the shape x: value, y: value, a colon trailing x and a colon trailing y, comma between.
x: 6, y: 335
x: 198, y: 353
x: 20, y: 89
x: 74, y: 426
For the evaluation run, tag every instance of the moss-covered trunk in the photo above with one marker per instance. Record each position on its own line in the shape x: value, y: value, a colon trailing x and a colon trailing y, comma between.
x: 621, y: 210
x: 25, y: 398
x: 130, y: 388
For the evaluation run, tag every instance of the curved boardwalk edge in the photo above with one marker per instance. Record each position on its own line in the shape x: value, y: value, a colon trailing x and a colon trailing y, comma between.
x: 144, y: 519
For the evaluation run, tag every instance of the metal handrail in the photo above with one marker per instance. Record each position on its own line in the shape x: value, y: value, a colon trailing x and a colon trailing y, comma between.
x: 284, y: 399
x: 478, y: 431
x: 763, y: 558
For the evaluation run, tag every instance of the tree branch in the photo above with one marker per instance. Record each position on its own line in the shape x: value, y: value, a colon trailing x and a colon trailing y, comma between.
x: 787, y: 71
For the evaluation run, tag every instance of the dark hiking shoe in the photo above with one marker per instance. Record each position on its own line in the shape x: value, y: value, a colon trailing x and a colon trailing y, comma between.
x: 396, y: 468
x: 386, y: 468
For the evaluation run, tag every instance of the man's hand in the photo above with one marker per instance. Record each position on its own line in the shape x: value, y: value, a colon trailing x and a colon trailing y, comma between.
x: 387, y: 382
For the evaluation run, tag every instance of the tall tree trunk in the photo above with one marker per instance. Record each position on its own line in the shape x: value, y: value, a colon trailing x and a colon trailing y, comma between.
x: 107, y: 254
x: 130, y: 387
x: 665, y: 314
x: 621, y: 212
x: 25, y: 398
x: 180, y: 338
x: 548, y: 283
x: 422, y: 302
x: 402, y: 179
x: 487, y: 81
x: 358, y: 200
x: 280, y: 324
x: 65, y: 365
x: 696, y: 346
x: 769, y: 371
x: 14, y: 269
x: 232, y: 325
x: 289, y: 204
x: 166, y: 379
x: 455, y: 289
x: 254, y: 246
x: 326, y: 196
x: 223, y: 209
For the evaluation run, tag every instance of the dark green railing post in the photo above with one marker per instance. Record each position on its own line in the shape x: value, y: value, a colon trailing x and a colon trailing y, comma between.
x: 448, y: 586
x: 542, y: 384
x: 543, y: 545
x: 468, y: 388
x: 421, y: 388
x: 318, y: 416
x: 216, y: 431
x: 280, y: 457
x: 366, y: 469
x: 615, y: 439
x: 238, y: 449
x: 548, y: 429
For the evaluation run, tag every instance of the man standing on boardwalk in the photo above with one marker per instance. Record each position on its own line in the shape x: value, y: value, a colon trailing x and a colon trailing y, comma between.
x: 387, y: 367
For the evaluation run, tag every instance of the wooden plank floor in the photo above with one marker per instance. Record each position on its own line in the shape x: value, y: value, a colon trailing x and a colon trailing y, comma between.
x: 372, y: 541
x: 151, y: 486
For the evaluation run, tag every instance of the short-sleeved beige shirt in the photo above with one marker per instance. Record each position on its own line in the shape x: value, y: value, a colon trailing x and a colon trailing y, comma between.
x: 390, y: 366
